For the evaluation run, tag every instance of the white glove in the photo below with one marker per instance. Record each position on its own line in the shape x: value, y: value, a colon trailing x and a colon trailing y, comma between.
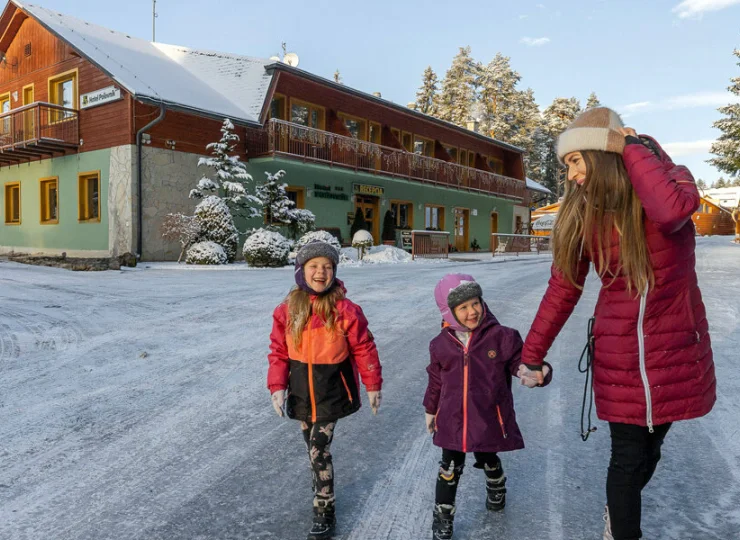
x: 431, y: 420
x: 278, y: 400
x: 527, y: 376
x: 374, y: 398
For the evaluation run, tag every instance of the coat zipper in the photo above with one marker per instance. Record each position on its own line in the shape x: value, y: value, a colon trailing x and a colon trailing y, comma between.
x: 501, y: 421
x: 643, y: 369
x: 346, y: 387
x: 466, y: 362
x: 310, y: 373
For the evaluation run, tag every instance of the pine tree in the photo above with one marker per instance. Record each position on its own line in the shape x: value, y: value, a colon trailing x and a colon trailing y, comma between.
x: 592, y: 101
x: 359, y: 223
x: 458, y: 89
x: 230, y: 178
x: 276, y: 205
x: 498, y: 94
x: 427, y: 98
x: 720, y: 183
x: 701, y: 184
x: 736, y: 182
x: 727, y: 146
x: 338, y: 77
x: 555, y: 119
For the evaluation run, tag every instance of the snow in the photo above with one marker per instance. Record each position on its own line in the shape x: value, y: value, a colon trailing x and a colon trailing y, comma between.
x: 218, y: 83
x: 377, y: 255
x: 206, y: 253
x: 133, y: 406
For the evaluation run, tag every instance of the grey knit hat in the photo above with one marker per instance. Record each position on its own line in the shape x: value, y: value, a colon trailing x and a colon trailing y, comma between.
x: 315, y: 249
x: 467, y: 290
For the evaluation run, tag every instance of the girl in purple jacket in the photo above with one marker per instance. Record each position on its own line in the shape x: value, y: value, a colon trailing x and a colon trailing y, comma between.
x: 468, y: 402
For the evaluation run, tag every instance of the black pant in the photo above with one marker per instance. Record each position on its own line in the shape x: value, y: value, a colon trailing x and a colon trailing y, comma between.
x: 318, y: 438
x: 451, y: 469
x: 635, y: 454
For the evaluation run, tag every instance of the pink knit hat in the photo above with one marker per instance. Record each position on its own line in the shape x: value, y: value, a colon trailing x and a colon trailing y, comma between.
x: 594, y: 129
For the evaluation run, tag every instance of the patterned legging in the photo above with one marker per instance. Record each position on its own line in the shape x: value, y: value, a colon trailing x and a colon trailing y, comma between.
x: 318, y: 439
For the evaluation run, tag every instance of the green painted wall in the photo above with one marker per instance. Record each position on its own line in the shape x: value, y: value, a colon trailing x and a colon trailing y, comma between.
x: 69, y: 233
x: 333, y: 213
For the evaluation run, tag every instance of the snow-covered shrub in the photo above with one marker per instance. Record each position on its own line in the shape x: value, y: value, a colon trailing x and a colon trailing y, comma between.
x: 322, y: 236
x: 266, y: 248
x: 301, y: 222
x: 217, y: 225
x: 362, y: 241
x: 206, y: 253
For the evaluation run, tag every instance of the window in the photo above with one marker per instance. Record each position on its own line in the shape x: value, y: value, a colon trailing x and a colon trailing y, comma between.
x: 49, y: 200
x: 375, y: 133
x: 63, y: 92
x: 5, y: 108
x: 463, y: 157
x: 306, y: 114
x: 397, y: 134
x: 89, y: 192
x: 452, y: 151
x: 471, y: 159
x: 277, y: 107
x: 434, y: 217
x: 423, y: 147
x: 403, y: 212
x: 297, y: 195
x: 13, y: 203
x: 356, y: 126
x: 407, y: 141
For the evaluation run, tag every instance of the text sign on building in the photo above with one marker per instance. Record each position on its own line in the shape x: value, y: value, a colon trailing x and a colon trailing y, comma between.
x: 100, y: 97
x: 364, y: 189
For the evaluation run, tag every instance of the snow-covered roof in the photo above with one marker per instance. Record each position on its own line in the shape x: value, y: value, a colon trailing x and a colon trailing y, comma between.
x: 536, y: 186
x: 210, y: 82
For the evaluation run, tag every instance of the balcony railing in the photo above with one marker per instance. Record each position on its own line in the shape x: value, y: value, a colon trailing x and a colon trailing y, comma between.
x: 308, y: 144
x: 37, y: 130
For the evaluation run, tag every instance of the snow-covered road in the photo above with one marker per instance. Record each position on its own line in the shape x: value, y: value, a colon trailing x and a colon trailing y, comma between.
x: 133, y: 406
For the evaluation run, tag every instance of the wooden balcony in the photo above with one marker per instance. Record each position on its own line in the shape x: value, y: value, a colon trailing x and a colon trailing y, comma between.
x: 37, y: 131
x: 281, y: 138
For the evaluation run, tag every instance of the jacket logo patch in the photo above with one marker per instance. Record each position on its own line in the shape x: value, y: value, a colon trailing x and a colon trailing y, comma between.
x: 491, y: 354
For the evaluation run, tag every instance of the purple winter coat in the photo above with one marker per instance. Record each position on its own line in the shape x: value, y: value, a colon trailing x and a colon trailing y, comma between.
x: 470, y: 390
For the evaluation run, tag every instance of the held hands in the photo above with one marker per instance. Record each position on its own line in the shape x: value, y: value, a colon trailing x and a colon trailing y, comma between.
x: 530, y: 378
x: 374, y: 398
x: 431, y: 421
x: 278, y: 400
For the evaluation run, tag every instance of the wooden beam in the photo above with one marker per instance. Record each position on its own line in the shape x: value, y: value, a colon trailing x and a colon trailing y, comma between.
x: 12, y: 29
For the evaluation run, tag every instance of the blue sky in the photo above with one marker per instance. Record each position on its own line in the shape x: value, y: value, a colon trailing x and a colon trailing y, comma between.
x: 664, y: 64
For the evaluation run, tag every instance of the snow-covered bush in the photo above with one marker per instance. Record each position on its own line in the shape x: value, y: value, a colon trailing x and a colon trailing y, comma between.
x: 301, y: 222
x: 206, y: 253
x: 217, y: 225
x: 266, y: 248
x: 322, y: 236
x: 362, y: 241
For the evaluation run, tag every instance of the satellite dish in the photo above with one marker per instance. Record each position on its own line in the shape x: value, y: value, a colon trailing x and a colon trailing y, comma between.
x: 275, y: 58
x: 291, y: 59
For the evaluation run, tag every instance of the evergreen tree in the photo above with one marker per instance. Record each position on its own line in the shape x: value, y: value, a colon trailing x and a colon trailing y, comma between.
x: 498, y: 98
x: 338, y: 77
x: 555, y: 119
x: 276, y: 205
x: 230, y: 178
x: 720, y: 183
x: 701, y: 184
x: 727, y: 146
x: 736, y: 182
x: 458, y: 89
x: 427, y: 98
x: 359, y: 223
x: 592, y: 101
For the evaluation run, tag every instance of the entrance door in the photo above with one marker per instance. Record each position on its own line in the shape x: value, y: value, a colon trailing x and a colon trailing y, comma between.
x: 494, y: 230
x: 28, y: 115
x: 462, y: 217
x: 369, y: 206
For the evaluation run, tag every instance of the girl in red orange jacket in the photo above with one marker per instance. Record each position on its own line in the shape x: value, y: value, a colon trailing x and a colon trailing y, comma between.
x: 320, y: 346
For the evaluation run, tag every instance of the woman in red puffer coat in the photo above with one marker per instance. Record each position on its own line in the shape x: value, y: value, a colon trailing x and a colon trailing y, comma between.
x: 627, y: 209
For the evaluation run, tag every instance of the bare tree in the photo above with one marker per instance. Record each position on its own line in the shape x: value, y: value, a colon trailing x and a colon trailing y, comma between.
x: 180, y: 228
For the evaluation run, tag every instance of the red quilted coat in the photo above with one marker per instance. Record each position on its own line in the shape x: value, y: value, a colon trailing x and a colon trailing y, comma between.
x: 653, y: 356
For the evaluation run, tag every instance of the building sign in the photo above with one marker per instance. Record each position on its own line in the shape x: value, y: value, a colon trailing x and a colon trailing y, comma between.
x: 331, y: 195
x: 406, y: 239
x: 364, y: 189
x: 100, y: 97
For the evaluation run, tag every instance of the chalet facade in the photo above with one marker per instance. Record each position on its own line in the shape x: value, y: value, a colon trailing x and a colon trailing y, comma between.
x: 100, y: 134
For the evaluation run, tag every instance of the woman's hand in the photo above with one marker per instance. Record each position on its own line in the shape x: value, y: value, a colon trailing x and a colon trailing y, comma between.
x: 530, y: 378
x: 431, y: 421
x: 628, y: 132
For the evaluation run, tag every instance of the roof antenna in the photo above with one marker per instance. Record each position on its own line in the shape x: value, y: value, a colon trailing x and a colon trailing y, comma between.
x: 154, y: 18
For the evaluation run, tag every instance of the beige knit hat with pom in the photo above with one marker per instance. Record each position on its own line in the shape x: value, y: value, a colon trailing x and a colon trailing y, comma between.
x: 594, y: 129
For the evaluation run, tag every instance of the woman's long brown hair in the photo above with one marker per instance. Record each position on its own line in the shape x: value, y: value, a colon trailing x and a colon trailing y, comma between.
x: 300, y: 309
x: 588, y: 215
